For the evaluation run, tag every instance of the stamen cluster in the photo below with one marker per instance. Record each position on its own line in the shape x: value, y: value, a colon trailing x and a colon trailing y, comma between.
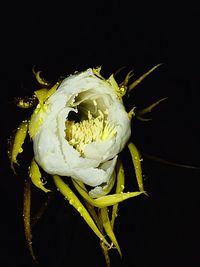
x: 79, y: 134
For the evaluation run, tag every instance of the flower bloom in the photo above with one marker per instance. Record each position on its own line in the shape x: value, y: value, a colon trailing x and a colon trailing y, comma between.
x: 79, y: 130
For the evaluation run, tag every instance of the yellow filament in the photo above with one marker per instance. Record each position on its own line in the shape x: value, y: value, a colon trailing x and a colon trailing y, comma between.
x: 87, y: 131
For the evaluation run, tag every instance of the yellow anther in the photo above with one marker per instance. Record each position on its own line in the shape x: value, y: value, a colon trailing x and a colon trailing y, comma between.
x: 109, y: 131
x: 95, y: 102
x: 87, y: 131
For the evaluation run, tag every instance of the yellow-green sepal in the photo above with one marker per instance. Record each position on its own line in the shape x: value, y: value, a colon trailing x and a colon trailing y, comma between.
x: 104, y: 201
x: 108, y: 228
x: 75, y: 202
x: 136, y: 159
x: 18, y: 142
x: 119, y: 189
x: 39, y: 113
x: 141, y: 78
x: 35, y: 175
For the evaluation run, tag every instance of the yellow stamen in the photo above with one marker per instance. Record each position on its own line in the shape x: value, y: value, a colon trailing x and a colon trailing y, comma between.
x: 87, y: 131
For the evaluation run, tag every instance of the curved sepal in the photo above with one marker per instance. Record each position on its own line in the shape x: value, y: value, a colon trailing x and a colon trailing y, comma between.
x: 75, y: 202
x: 136, y: 158
x: 104, y: 201
x: 18, y: 142
x: 35, y: 175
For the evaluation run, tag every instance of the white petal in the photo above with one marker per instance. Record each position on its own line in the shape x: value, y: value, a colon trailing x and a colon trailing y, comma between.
x: 53, y: 152
x: 99, y: 150
x: 103, y: 190
x: 96, y: 176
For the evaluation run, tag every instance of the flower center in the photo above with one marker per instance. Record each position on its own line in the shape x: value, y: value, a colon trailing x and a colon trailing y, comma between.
x: 79, y: 134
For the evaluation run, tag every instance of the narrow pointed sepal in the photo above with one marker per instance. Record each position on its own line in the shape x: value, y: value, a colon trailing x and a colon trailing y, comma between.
x: 18, y: 142
x: 35, y: 175
x: 76, y: 203
x: 108, y: 228
x: 136, y: 158
x: 141, y: 78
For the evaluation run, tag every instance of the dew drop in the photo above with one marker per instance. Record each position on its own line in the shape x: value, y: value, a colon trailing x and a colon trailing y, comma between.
x: 71, y: 201
x: 122, y: 186
x: 144, y: 177
x: 43, y: 180
x: 79, y: 209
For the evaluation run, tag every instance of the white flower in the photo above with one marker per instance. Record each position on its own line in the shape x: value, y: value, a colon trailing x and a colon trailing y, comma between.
x: 80, y: 130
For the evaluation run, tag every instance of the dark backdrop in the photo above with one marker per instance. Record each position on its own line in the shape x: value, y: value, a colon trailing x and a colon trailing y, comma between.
x: 159, y: 230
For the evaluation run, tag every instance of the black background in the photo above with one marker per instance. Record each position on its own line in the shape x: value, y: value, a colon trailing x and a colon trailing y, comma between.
x: 160, y: 230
